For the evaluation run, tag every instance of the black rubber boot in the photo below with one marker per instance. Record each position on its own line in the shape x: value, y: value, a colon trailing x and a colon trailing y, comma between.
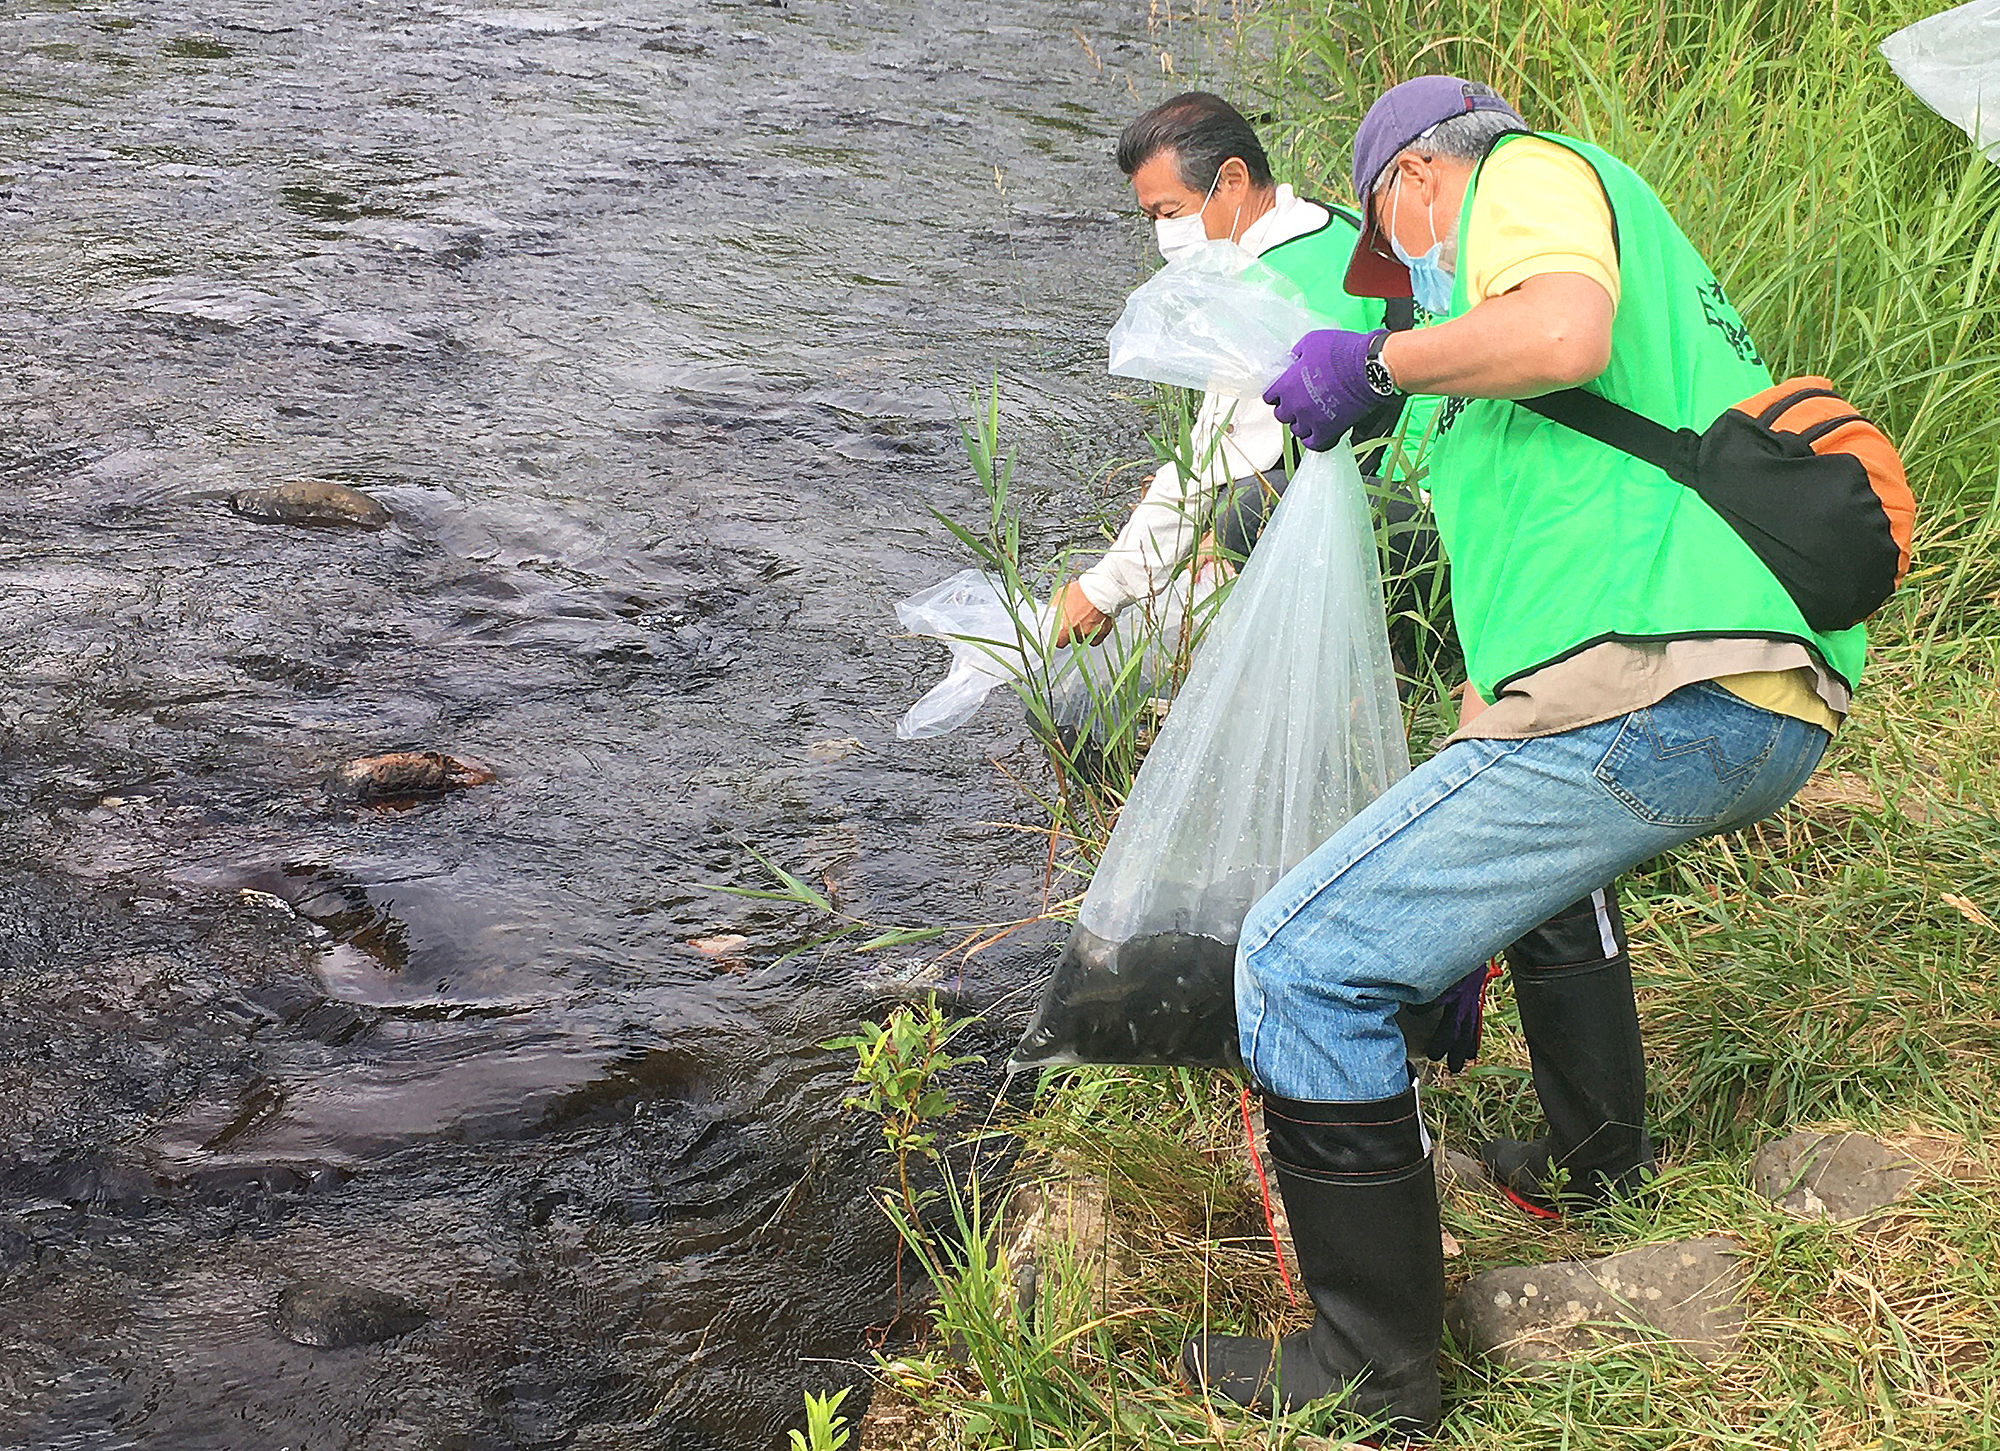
x: 1362, y: 1199
x: 1573, y: 986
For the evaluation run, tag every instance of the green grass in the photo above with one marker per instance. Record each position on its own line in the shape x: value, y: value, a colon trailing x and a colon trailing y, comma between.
x: 1837, y: 965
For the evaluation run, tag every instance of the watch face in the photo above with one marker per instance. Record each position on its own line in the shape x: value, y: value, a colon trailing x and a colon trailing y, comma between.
x: 1377, y: 374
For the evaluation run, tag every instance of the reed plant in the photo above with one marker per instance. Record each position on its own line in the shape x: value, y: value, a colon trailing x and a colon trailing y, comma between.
x: 1093, y: 711
x: 1838, y: 965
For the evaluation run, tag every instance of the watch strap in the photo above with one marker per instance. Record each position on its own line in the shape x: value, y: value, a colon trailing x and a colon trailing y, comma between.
x: 1376, y: 372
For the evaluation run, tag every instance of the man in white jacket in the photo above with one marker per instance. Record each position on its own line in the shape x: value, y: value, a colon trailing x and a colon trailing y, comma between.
x: 1199, y: 171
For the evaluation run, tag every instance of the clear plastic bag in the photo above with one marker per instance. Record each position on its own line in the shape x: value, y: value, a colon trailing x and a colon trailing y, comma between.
x: 1287, y: 724
x: 1952, y: 62
x: 989, y: 644
x: 1217, y: 320
x: 1092, y: 691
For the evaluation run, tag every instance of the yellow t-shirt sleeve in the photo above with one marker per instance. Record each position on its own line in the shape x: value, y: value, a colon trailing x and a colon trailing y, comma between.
x: 1539, y: 207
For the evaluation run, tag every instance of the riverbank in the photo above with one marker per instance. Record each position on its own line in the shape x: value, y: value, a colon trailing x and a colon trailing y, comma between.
x: 1834, y: 967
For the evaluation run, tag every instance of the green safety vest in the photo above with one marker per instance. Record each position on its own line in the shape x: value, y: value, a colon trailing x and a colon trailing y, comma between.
x: 1558, y: 542
x: 1317, y: 263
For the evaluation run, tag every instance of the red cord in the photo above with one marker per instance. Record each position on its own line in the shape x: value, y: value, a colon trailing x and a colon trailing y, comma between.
x: 1494, y: 967
x: 1527, y: 1208
x: 1264, y: 1188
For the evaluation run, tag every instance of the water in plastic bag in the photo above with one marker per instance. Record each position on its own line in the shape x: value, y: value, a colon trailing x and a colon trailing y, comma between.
x: 969, y: 612
x: 1952, y: 62
x: 1287, y: 724
x: 1217, y: 320
x: 1092, y: 690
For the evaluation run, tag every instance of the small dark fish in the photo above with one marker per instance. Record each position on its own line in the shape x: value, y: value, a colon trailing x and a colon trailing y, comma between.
x: 404, y: 774
x: 311, y: 501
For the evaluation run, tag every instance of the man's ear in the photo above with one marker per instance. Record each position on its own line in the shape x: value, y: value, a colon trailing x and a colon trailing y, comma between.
x: 1419, y: 177
x: 1232, y: 174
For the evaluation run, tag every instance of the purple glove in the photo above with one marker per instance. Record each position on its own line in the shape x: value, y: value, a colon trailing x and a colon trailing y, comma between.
x: 1325, y: 392
x: 1459, y: 1031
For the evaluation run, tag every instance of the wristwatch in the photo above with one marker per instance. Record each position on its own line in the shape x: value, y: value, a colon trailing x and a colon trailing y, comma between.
x: 1375, y: 371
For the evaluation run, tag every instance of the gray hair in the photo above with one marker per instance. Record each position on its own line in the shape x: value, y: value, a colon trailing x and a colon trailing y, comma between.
x: 1466, y: 137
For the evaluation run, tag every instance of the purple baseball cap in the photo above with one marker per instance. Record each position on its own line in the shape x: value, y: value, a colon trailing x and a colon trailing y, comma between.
x: 1399, y: 116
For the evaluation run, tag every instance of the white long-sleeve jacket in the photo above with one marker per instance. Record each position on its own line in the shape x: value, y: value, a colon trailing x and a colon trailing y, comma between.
x: 1232, y: 438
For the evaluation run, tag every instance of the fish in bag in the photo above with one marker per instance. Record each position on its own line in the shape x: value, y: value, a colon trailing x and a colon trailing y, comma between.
x: 1287, y: 724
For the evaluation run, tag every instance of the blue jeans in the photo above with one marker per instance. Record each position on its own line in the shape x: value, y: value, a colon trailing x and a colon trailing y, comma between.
x: 1476, y: 846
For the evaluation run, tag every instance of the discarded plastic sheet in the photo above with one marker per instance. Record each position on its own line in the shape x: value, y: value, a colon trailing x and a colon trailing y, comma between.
x: 1287, y: 724
x: 1952, y: 62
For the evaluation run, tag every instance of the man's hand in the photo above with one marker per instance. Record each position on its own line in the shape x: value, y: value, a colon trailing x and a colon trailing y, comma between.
x: 1326, y: 392
x: 1211, y: 565
x: 1079, y: 621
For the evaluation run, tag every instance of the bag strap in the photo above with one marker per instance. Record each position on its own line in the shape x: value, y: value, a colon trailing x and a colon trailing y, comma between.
x: 1671, y: 450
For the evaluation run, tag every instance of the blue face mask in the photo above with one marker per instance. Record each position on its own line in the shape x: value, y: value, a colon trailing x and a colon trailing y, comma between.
x: 1430, y: 279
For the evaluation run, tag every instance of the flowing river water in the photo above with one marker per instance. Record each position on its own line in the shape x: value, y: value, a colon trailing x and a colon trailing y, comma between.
x: 652, y: 321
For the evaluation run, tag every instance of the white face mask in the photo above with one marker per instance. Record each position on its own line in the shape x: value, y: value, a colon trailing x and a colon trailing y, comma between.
x: 1177, y: 236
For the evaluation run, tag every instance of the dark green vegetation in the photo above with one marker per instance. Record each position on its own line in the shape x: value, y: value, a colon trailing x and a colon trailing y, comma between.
x: 1837, y: 965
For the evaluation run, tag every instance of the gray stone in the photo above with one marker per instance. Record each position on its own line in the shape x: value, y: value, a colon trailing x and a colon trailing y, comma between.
x: 1830, y: 1176
x: 1462, y: 1171
x: 334, y: 1316
x: 311, y: 501
x: 90, y: 1181
x: 1688, y: 1294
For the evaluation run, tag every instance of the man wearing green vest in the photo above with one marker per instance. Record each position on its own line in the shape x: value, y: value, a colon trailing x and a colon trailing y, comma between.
x: 1637, y: 679
x: 1199, y: 171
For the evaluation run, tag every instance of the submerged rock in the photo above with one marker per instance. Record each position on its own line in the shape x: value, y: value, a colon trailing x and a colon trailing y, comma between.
x: 311, y: 501
x: 333, y: 1316
x: 254, y: 1184
x: 403, y: 774
x: 1830, y: 1176
x: 17, y: 1247
x: 89, y: 1181
x: 1689, y: 1293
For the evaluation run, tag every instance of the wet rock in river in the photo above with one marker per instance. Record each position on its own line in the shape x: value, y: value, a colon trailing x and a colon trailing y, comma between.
x: 312, y: 501
x: 333, y: 1316
x: 1688, y: 1293
x: 1830, y: 1176
x: 402, y: 775
x: 296, y: 1008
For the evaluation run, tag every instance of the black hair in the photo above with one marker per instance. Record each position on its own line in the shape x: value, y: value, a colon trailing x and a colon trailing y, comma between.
x: 1203, y: 131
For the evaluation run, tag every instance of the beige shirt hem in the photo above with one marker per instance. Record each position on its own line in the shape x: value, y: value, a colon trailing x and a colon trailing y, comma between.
x: 1619, y: 677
